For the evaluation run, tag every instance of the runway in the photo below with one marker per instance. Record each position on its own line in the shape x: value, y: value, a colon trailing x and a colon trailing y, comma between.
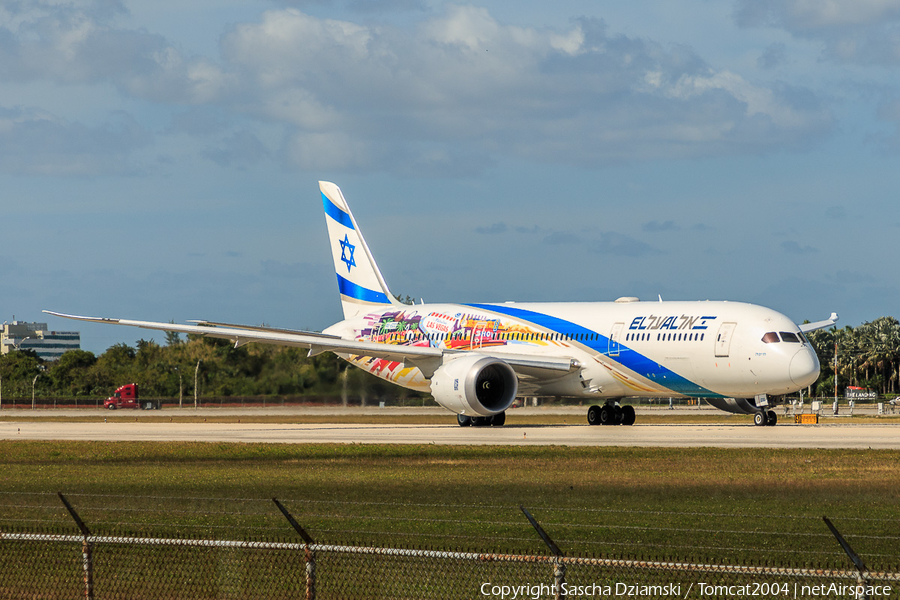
x: 719, y: 436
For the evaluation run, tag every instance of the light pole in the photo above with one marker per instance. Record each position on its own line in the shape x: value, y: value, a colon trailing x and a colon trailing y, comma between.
x: 180, y: 387
x: 835, y: 371
x: 22, y: 341
x: 196, y: 373
x: 33, y: 381
x: 16, y: 348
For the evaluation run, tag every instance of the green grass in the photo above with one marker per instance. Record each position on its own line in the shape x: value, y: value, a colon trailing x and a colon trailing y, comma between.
x: 750, y: 506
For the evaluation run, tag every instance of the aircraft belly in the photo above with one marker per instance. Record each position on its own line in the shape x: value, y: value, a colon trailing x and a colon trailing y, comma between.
x: 398, y: 373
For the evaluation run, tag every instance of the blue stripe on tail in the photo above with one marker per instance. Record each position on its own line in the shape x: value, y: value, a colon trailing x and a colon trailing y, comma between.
x: 336, y: 213
x: 352, y: 290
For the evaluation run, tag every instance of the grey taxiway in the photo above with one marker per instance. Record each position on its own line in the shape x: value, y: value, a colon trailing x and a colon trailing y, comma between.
x: 29, y: 426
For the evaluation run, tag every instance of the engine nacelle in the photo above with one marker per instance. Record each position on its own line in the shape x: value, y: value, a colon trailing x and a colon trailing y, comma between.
x: 475, y: 385
x: 739, y: 406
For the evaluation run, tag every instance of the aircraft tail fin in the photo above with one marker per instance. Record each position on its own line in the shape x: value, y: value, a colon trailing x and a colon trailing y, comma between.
x: 359, y: 281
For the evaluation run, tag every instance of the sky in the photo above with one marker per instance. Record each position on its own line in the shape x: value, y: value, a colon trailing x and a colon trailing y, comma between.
x: 159, y: 160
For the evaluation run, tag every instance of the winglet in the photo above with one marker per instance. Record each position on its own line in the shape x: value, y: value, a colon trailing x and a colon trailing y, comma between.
x: 80, y: 318
x: 806, y: 327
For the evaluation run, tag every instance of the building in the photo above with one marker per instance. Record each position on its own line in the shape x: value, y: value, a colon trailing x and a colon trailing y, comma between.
x: 48, y: 345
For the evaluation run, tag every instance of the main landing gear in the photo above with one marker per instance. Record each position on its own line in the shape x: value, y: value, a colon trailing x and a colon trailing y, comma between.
x: 763, y: 418
x: 496, y: 421
x: 610, y: 414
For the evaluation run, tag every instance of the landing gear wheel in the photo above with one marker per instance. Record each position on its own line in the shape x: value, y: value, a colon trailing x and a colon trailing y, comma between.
x: 760, y: 418
x: 628, y: 415
x: 498, y: 420
x: 771, y: 418
x: 463, y: 420
x: 606, y: 415
x: 594, y: 415
x: 618, y: 415
x: 112, y: 407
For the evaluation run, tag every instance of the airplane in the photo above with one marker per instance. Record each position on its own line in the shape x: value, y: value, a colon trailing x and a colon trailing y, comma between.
x: 476, y: 359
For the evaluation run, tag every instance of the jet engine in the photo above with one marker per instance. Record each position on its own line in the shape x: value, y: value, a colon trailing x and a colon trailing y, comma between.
x: 474, y: 385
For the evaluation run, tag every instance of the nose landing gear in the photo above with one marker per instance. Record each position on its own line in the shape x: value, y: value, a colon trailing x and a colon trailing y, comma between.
x: 763, y: 418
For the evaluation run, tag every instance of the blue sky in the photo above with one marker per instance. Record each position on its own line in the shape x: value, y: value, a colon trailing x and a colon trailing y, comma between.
x: 159, y: 160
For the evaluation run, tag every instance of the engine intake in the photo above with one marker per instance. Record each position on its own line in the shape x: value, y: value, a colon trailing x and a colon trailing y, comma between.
x: 475, y: 385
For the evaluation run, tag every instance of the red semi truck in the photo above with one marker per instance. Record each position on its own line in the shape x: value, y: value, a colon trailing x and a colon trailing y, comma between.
x: 127, y: 397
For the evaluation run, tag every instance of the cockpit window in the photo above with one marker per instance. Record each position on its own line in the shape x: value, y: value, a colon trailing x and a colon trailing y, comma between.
x: 771, y: 338
x: 787, y: 336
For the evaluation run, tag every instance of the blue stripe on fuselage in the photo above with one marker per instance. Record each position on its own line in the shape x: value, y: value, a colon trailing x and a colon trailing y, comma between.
x: 336, y: 213
x: 627, y: 357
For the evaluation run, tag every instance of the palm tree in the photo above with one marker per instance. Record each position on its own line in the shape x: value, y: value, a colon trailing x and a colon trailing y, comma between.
x: 884, y: 336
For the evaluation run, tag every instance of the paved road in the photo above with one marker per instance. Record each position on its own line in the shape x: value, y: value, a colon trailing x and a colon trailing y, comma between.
x: 725, y: 436
x: 353, y: 411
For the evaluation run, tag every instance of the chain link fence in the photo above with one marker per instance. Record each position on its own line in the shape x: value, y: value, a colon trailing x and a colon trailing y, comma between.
x: 54, y: 563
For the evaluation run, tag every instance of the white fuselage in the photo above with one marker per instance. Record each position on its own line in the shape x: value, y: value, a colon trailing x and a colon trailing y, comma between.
x: 712, y: 350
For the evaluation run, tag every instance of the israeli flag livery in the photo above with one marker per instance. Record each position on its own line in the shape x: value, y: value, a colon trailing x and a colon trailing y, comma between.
x: 475, y: 359
x: 359, y: 280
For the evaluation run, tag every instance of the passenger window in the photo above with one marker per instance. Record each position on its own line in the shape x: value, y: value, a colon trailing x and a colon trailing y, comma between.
x: 787, y: 336
x: 771, y: 338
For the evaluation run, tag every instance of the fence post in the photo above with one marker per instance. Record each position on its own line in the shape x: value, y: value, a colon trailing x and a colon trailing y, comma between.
x: 310, y: 557
x: 87, y: 550
x: 854, y: 557
x: 559, y: 569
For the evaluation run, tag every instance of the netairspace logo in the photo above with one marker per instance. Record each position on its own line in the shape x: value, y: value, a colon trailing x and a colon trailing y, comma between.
x: 543, y: 590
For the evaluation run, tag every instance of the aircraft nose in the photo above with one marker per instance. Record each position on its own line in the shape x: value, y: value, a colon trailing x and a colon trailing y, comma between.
x: 804, y: 367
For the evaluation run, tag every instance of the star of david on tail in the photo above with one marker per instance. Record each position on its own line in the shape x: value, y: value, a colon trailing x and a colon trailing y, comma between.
x: 346, y: 245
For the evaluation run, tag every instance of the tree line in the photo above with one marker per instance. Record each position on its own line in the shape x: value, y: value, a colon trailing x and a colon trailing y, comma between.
x: 867, y: 356
x: 170, y: 370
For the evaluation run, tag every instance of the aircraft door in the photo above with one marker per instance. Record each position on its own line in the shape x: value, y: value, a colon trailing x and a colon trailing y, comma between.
x: 723, y: 339
x: 478, y: 333
x: 614, y: 338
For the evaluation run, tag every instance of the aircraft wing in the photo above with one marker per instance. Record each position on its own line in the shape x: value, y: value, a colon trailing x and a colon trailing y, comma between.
x: 240, y: 335
x: 426, y: 357
x: 807, y: 327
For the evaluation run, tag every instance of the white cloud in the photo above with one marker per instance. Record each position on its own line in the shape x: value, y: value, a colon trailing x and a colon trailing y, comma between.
x: 78, y: 43
x: 452, y: 93
x: 463, y: 78
x: 859, y: 31
x: 817, y: 14
x: 35, y: 142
